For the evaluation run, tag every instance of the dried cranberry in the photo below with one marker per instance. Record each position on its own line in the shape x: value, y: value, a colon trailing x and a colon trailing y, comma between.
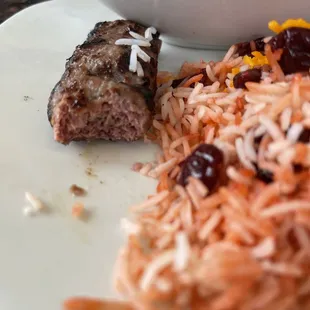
x: 264, y: 175
x: 298, y: 168
x: 206, y: 163
x: 251, y: 75
x: 304, y: 136
x: 260, y: 44
x: 245, y: 48
x: 295, y: 43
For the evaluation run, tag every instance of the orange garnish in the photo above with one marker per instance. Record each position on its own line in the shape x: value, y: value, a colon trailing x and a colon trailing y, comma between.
x: 193, y: 79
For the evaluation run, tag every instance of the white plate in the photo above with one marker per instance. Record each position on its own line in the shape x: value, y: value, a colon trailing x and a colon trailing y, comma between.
x: 52, y: 256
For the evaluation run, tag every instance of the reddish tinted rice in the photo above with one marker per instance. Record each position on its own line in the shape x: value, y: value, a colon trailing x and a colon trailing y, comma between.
x: 247, y: 245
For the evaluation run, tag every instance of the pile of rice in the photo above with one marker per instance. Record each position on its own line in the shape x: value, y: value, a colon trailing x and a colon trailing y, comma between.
x: 247, y: 245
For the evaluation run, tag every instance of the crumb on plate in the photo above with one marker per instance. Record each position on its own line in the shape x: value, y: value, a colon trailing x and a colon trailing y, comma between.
x: 35, y: 204
x: 77, y: 190
x: 78, y: 210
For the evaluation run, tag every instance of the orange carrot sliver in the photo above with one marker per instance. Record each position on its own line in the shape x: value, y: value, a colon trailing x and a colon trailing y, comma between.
x: 194, y: 79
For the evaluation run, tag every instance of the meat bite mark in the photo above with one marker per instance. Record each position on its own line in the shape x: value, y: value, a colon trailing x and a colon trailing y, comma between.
x: 97, y: 96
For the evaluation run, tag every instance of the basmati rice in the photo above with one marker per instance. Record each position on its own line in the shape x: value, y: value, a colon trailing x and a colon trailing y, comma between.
x: 245, y: 245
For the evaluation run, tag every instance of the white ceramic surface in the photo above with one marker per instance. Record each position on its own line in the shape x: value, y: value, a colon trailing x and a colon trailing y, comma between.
x: 209, y: 23
x: 52, y: 256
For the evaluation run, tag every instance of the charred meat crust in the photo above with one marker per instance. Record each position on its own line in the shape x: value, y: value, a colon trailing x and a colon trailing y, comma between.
x: 98, y: 60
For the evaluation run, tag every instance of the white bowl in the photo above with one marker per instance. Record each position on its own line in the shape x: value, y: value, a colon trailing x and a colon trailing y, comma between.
x: 213, y: 24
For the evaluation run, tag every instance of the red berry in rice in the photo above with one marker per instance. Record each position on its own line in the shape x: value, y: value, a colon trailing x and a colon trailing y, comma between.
x: 264, y: 175
x: 304, y: 136
x: 295, y: 45
x: 246, y: 48
x: 251, y: 75
x: 206, y: 163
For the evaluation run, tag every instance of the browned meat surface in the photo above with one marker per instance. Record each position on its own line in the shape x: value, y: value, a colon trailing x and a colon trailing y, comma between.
x: 97, y: 96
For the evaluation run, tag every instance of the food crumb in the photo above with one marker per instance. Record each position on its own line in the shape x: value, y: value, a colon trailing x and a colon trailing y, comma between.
x: 77, y: 190
x: 35, y: 205
x: 137, y: 167
x: 27, y: 98
x: 34, y: 201
x: 78, y: 210
x: 90, y: 172
x: 28, y: 211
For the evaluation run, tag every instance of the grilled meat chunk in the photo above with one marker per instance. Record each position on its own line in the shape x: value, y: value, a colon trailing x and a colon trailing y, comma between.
x: 97, y: 96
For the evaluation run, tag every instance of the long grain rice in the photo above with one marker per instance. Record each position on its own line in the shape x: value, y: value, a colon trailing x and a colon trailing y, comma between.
x: 158, y: 264
x: 193, y: 248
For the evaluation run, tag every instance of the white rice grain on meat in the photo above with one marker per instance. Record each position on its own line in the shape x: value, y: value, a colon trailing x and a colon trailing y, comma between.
x: 136, y: 36
x: 133, y: 42
x: 140, y: 71
x: 133, y: 64
x: 149, y: 33
x: 141, y: 54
